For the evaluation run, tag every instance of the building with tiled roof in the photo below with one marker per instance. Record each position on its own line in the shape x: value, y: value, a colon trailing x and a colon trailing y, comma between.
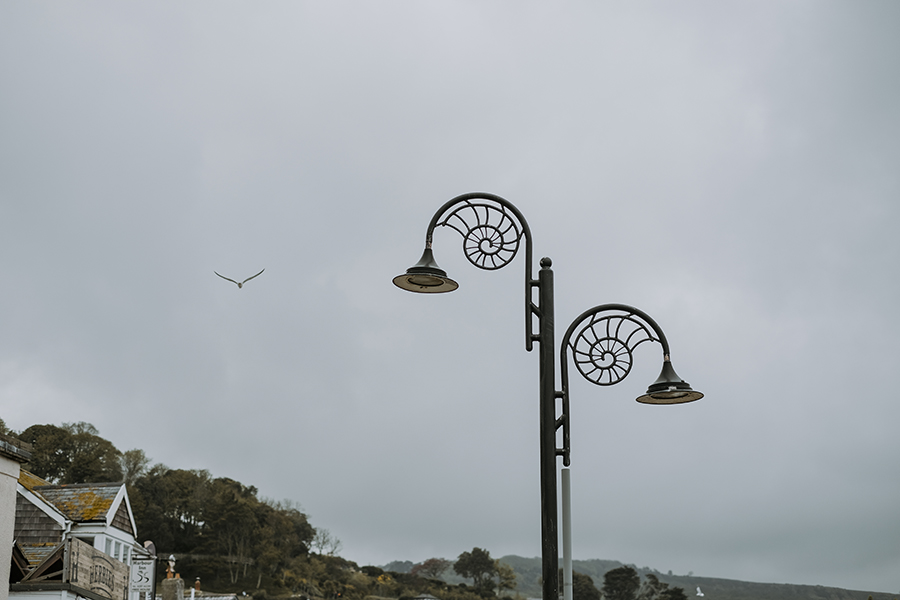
x: 83, y: 503
x: 13, y: 453
x: 77, y: 541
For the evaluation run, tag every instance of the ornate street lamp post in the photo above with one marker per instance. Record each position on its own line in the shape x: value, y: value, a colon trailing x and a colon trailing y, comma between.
x: 601, y: 339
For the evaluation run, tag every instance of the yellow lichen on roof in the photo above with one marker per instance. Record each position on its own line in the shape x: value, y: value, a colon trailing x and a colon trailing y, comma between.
x: 86, y: 504
x: 36, y: 553
x: 29, y: 480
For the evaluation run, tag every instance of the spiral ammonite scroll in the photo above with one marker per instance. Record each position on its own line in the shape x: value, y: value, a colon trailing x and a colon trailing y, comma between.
x: 491, y: 233
x: 603, y: 347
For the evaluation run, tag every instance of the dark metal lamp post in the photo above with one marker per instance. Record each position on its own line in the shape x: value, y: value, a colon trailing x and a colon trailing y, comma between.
x: 601, y: 339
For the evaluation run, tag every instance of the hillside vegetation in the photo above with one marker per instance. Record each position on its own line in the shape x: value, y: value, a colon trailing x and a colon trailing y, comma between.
x: 529, y: 571
x: 223, y: 533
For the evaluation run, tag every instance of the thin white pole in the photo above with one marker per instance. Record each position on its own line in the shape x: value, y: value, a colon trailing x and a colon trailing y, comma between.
x: 567, y: 534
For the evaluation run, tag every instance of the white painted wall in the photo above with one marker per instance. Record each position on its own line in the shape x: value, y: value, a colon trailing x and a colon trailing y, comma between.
x: 9, y: 475
x: 44, y: 595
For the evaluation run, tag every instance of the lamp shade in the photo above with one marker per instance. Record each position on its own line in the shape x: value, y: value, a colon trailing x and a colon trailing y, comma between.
x: 669, y: 388
x: 425, y: 277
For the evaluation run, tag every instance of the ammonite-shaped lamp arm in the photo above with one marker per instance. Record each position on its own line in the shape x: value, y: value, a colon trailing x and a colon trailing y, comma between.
x: 492, y: 230
x: 602, y: 341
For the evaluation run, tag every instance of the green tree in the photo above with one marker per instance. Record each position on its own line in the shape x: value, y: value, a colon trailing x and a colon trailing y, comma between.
x: 134, y: 465
x: 621, y: 584
x: 169, y: 507
x: 476, y: 565
x: 675, y: 593
x: 654, y: 589
x: 506, y: 577
x: 270, y: 555
x: 583, y: 587
x: 50, y: 457
x: 73, y: 453
x: 651, y: 588
x: 230, y: 519
x: 284, y: 534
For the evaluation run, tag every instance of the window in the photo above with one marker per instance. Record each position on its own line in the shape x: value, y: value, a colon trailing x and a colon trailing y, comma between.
x: 118, y: 554
x: 108, y: 546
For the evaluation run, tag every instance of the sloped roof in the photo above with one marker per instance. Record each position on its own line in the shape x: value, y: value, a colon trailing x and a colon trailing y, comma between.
x: 37, y: 554
x: 81, y: 502
x: 19, y: 565
x: 29, y: 480
x: 50, y: 568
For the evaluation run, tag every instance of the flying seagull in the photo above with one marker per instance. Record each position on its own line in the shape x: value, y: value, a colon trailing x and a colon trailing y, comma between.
x: 699, y: 593
x: 240, y: 284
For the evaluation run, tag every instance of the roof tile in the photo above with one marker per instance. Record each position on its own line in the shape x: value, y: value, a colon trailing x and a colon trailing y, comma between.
x: 81, y: 502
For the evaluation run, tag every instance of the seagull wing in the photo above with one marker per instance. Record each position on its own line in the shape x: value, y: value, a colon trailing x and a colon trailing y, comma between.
x: 249, y: 278
x: 223, y: 277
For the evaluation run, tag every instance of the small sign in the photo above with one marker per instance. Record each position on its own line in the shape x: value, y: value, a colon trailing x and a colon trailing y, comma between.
x: 142, y: 574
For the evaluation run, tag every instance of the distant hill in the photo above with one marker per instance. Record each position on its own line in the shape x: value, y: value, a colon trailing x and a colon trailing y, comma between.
x: 528, y: 574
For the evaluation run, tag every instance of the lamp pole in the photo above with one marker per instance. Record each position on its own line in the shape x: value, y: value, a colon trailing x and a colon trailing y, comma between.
x: 605, y: 336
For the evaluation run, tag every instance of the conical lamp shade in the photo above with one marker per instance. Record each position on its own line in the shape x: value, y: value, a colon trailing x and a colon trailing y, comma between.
x: 669, y: 388
x: 425, y: 277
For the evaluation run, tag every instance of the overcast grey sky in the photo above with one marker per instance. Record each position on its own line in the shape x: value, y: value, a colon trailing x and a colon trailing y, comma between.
x: 731, y: 168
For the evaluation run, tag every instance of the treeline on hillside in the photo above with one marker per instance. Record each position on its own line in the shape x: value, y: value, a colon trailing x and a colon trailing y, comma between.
x: 221, y: 532
x: 217, y: 526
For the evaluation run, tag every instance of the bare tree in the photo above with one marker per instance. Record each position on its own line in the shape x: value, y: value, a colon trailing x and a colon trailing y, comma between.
x: 326, y: 543
x: 432, y: 568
